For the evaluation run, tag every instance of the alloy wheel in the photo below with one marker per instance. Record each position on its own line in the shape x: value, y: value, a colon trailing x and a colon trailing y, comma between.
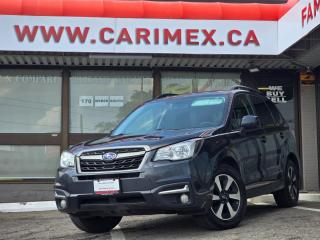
x: 226, y: 197
x: 292, y: 182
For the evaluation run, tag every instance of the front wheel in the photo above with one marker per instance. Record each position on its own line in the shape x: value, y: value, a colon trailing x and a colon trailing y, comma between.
x: 229, y: 202
x: 95, y: 224
x: 289, y: 195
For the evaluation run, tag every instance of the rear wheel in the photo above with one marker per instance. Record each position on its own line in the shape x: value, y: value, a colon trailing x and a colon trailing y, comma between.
x: 289, y: 195
x: 95, y: 224
x: 229, y: 200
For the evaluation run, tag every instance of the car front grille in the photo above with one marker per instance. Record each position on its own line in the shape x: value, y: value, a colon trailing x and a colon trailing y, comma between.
x: 127, y: 159
x: 117, y: 151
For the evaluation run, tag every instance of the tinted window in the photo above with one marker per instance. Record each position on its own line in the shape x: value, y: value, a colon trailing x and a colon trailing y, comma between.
x: 280, y: 89
x: 262, y: 111
x: 278, y: 119
x: 241, y: 108
x: 175, y: 114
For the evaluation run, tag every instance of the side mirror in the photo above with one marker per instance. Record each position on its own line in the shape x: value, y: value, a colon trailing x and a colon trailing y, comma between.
x: 250, y: 122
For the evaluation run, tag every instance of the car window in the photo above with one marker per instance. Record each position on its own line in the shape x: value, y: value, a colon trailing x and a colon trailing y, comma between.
x: 278, y: 119
x: 175, y: 114
x: 262, y: 111
x: 241, y: 108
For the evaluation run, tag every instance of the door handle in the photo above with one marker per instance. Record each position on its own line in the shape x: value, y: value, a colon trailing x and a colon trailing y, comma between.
x: 281, y: 135
x: 263, y: 139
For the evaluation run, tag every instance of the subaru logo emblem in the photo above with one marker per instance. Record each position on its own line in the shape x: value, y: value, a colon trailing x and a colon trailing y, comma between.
x: 109, y: 156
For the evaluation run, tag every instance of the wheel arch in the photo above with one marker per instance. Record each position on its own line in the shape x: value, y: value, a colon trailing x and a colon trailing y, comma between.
x: 293, y: 157
x: 228, y: 160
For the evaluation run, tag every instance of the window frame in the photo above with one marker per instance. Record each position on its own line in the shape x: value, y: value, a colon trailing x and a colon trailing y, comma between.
x: 283, y: 121
x: 39, y: 139
x: 264, y: 99
x: 231, y: 112
x: 104, y: 76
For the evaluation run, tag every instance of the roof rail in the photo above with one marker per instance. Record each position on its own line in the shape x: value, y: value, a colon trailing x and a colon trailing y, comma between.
x: 166, y: 95
x: 241, y: 87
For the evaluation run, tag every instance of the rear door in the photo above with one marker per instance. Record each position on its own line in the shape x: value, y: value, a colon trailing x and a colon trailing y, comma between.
x: 267, y: 139
x: 281, y: 133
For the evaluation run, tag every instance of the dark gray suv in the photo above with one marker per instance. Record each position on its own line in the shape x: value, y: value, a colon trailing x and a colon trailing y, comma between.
x: 202, y: 154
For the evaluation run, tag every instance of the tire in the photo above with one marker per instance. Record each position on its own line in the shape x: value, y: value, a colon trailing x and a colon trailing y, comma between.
x: 289, y: 195
x: 229, y: 201
x: 95, y: 224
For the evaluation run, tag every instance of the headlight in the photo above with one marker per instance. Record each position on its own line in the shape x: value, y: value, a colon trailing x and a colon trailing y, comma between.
x: 66, y: 159
x: 179, y: 151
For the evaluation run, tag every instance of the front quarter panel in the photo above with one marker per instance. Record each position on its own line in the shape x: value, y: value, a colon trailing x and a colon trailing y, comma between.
x: 214, y: 151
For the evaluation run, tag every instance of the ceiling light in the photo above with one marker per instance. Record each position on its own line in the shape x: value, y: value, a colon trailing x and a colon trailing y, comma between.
x: 254, y: 70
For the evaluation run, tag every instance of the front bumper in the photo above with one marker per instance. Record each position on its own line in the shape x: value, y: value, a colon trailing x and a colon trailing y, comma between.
x: 156, y: 188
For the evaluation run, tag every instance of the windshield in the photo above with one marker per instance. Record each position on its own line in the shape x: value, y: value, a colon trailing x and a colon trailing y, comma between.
x: 175, y: 114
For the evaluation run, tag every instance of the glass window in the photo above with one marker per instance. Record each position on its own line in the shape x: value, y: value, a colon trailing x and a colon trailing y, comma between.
x: 241, y: 108
x: 28, y: 161
x: 101, y: 99
x: 187, y: 82
x: 262, y: 111
x: 279, y: 88
x: 278, y: 119
x: 30, y: 101
x: 175, y: 114
x: 176, y: 82
x: 216, y: 81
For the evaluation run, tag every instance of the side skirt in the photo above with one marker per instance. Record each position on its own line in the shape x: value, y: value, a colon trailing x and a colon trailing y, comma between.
x: 266, y: 187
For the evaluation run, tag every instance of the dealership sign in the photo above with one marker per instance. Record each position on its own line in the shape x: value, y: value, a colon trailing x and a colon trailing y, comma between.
x: 275, y: 93
x: 176, y: 36
x: 77, y: 34
x: 298, y: 22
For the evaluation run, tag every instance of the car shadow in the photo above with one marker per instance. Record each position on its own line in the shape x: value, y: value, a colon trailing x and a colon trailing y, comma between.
x: 256, y: 211
x: 169, y: 225
x: 177, y: 226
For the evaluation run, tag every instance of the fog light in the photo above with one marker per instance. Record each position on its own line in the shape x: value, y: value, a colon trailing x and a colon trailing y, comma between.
x: 63, y: 204
x: 184, y: 198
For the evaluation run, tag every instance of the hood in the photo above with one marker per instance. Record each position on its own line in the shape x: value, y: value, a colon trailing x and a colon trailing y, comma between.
x: 153, y: 140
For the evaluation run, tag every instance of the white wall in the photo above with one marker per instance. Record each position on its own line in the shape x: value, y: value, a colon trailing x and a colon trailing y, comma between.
x: 309, y: 138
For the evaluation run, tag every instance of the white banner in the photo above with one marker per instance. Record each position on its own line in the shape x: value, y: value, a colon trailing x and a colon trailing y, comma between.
x: 170, y: 36
x: 106, y: 35
x: 298, y: 22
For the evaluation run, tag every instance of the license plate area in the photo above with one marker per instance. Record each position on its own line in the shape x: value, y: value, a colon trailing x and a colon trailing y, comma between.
x: 106, y: 186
